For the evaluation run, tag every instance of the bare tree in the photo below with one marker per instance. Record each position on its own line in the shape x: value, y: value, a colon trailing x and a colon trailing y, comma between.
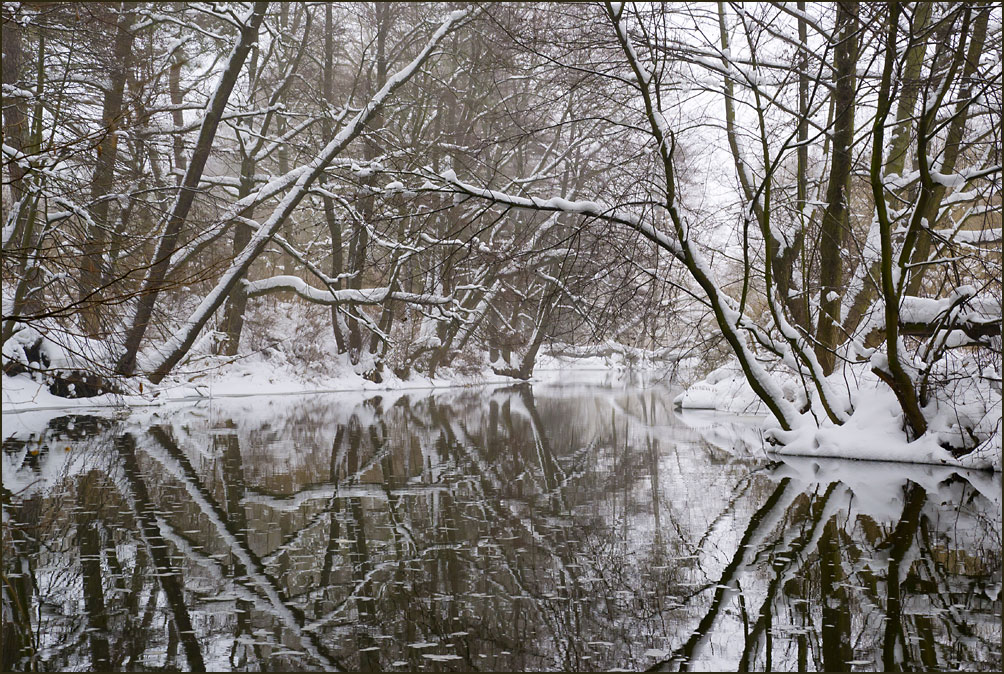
x: 761, y: 320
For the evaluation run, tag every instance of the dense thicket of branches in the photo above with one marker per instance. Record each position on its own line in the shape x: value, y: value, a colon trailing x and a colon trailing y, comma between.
x: 818, y: 184
x: 136, y: 175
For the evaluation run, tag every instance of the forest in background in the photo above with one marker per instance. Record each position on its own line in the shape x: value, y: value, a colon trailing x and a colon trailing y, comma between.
x: 811, y: 192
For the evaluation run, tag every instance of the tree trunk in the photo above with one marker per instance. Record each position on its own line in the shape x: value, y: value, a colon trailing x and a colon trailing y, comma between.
x: 95, y: 245
x: 237, y: 300
x: 892, y: 371
x: 179, y: 212
x: 334, y: 227
x: 283, y: 151
x: 834, y: 225
x: 799, y: 307
x: 22, y: 244
x: 360, y: 240
x: 15, y: 121
x: 177, y: 115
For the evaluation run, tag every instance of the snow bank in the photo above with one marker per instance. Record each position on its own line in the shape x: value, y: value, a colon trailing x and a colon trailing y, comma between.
x: 875, y: 433
x: 59, y: 350
x: 22, y: 393
x: 725, y: 390
x: 246, y: 377
x: 964, y: 409
x: 269, y: 373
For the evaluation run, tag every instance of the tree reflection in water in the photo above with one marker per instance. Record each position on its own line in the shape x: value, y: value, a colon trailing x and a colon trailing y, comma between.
x: 556, y: 528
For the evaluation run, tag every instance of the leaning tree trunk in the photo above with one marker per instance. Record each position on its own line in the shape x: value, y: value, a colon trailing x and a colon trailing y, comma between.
x: 180, y: 343
x: 154, y: 282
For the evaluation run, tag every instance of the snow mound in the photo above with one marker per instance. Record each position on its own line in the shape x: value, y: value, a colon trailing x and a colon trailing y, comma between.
x: 875, y: 433
x: 964, y: 412
x: 54, y: 350
x: 724, y: 390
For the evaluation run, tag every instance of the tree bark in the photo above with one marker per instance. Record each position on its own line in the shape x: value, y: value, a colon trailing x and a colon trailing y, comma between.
x: 834, y: 226
x: 96, y: 243
x: 179, y: 212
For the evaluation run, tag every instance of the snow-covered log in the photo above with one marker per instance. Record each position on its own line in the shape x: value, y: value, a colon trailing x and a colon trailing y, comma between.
x: 979, y: 317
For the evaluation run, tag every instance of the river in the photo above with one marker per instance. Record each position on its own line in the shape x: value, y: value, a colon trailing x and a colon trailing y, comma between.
x: 584, y: 527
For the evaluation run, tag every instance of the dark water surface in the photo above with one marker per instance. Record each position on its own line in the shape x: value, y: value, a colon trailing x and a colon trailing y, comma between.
x: 553, y: 528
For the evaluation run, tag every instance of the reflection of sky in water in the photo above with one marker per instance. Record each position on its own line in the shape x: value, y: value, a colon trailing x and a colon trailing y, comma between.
x: 582, y: 526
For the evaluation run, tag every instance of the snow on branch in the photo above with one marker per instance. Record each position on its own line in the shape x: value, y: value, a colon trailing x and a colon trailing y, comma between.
x: 977, y: 316
x: 328, y: 297
x: 561, y: 205
x: 976, y: 237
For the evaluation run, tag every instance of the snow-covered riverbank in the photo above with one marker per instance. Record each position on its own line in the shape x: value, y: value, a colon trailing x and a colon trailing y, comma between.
x: 262, y: 376
x: 722, y: 403
x: 873, y: 432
